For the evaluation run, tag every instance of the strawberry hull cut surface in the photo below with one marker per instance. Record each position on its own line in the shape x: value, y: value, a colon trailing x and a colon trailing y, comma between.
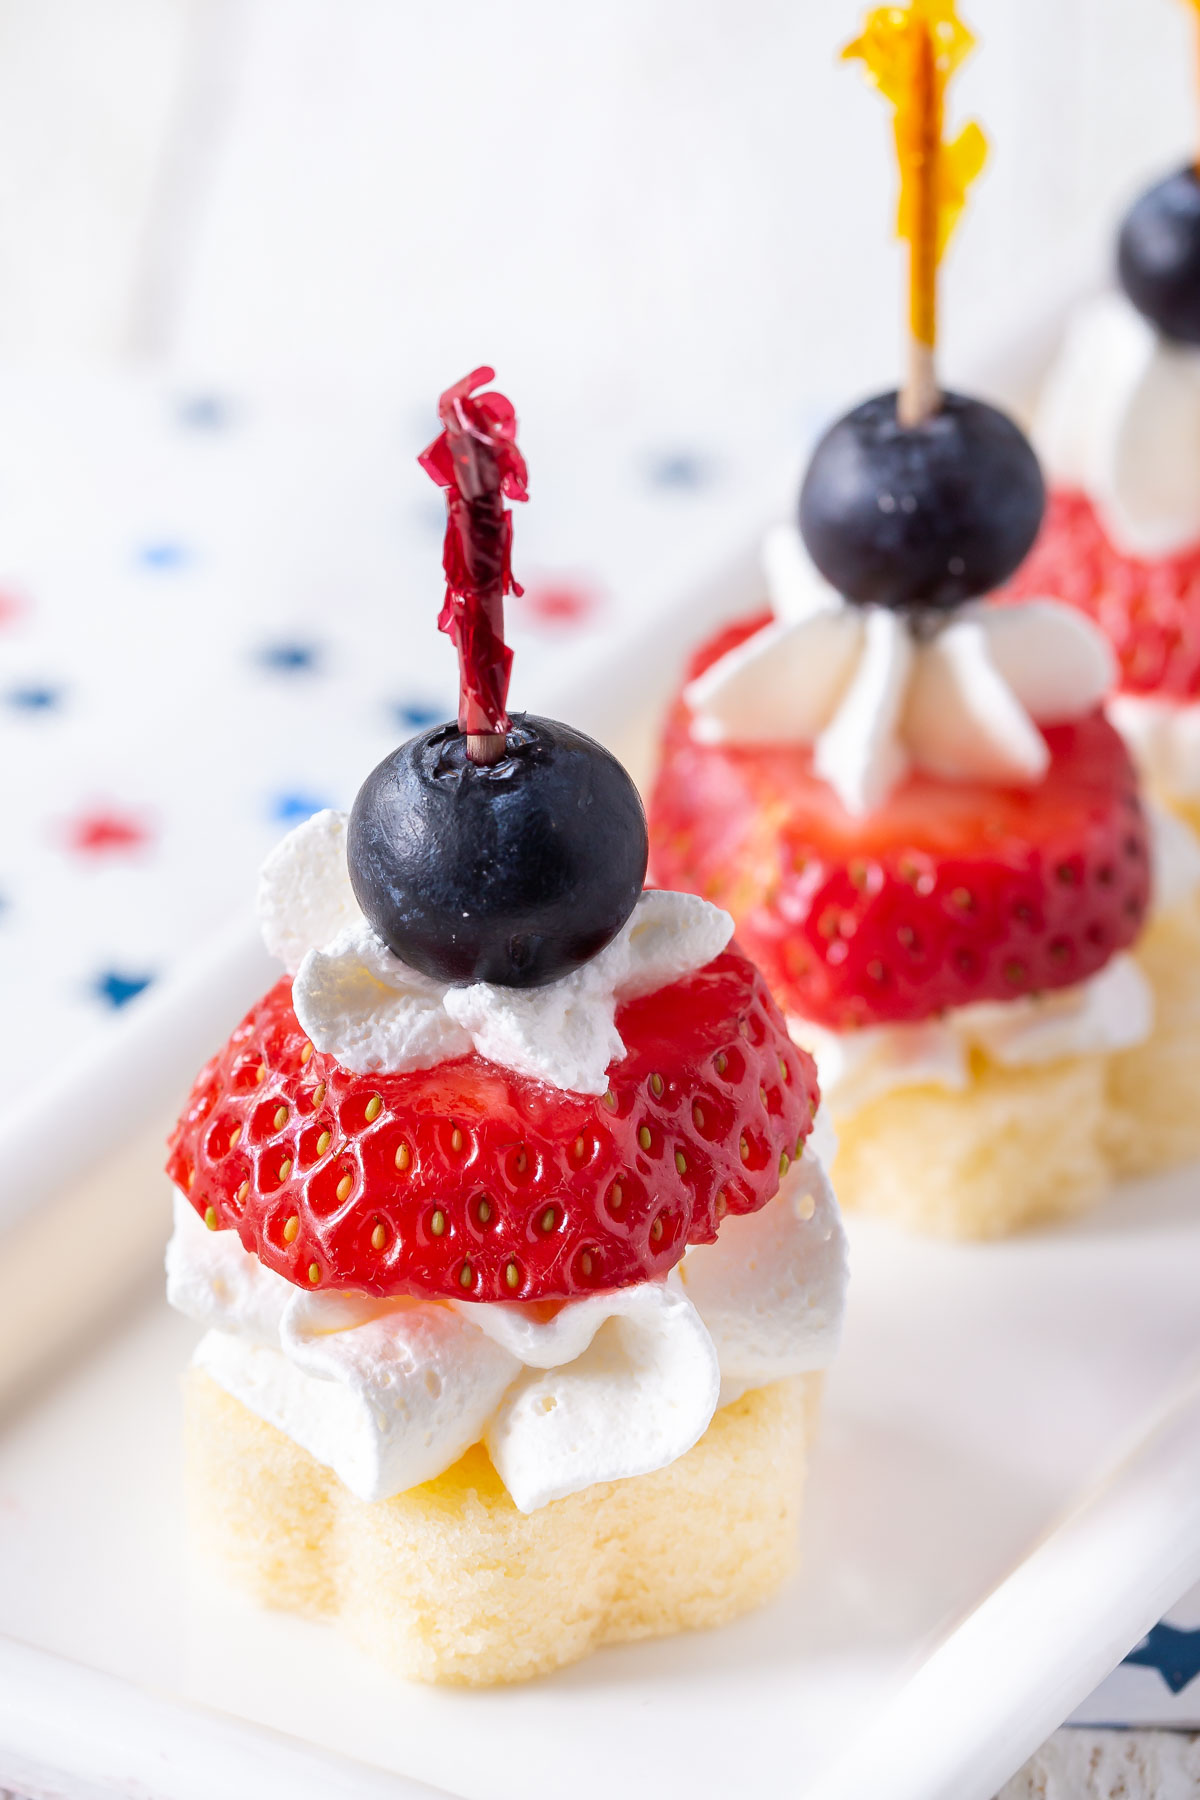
x: 951, y: 893
x: 1148, y: 611
x: 471, y: 1181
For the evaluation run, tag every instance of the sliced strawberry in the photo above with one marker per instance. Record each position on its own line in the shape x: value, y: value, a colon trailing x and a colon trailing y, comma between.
x: 1149, y: 611
x: 472, y: 1181
x: 951, y: 893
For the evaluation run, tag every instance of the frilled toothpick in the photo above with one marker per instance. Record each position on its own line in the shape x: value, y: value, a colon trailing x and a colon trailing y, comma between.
x: 476, y: 460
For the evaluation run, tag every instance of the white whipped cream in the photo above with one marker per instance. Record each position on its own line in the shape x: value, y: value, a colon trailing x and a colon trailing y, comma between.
x: 1112, y: 1011
x: 365, y: 1007
x: 389, y: 1393
x: 1164, y: 738
x: 878, y: 700
x: 1119, y: 419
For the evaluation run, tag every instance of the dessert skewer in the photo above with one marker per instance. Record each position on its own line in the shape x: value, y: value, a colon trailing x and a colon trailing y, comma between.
x: 909, y: 797
x: 911, y: 61
x: 1118, y: 427
x: 517, y: 1266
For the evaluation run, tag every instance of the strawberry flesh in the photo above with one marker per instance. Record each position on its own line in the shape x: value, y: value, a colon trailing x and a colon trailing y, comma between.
x: 1148, y: 610
x: 951, y: 893
x: 469, y: 1180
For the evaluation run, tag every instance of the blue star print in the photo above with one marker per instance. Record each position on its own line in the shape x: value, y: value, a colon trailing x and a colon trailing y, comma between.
x: 293, y: 809
x: 163, y: 556
x: 679, y: 469
x: 118, y: 989
x: 1175, y: 1654
x: 204, y: 412
x: 34, y: 698
x: 289, y: 659
x: 417, y: 714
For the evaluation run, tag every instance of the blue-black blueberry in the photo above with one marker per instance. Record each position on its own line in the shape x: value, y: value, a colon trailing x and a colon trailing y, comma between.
x: 514, y: 872
x: 924, y: 515
x: 1158, y: 255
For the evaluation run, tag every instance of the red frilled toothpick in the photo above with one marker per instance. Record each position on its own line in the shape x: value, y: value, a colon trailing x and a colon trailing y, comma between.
x: 475, y: 458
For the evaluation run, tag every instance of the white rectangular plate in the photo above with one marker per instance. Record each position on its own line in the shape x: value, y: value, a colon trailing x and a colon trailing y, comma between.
x: 979, y: 1390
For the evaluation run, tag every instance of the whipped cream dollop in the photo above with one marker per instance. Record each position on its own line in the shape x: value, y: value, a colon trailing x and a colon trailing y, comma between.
x: 1119, y: 419
x: 1164, y: 738
x: 1112, y: 1011
x: 961, y: 698
x: 390, y: 1393
x: 362, y: 1005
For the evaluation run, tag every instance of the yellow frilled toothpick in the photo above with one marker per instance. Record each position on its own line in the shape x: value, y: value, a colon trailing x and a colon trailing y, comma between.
x: 910, y: 53
x: 1195, y: 6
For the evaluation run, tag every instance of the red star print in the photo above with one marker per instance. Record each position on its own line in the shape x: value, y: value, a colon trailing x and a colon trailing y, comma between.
x: 104, y: 832
x: 11, y: 607
x: 558, y: 602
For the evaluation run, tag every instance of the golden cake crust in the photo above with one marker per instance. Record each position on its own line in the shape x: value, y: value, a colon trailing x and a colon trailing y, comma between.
x: 1015, y: 1148
x: 1183, y: 806
x: 449, y: 1582
x: 1022, y: 1147
x: 1153, y: 1119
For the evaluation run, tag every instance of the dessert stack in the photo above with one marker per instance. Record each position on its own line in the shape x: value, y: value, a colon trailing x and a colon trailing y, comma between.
x: 1118, y: 428
x: 517, y: 1263
x: 909, y: 797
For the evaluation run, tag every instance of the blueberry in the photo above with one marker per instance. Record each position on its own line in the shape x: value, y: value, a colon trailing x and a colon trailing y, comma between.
x: 925, y: 515
x: 516, y: 872
x: 1158, y: 255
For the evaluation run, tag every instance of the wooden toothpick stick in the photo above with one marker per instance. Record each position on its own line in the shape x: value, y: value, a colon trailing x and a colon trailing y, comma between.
x: 920, y: 395
x: 1195, y: 5
x: 476, y: 461
x: 910, y: 54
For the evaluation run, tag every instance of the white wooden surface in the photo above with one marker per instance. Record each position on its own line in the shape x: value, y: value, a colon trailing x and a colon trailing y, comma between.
x: 672, y: 190
x: 1111, y: 1765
